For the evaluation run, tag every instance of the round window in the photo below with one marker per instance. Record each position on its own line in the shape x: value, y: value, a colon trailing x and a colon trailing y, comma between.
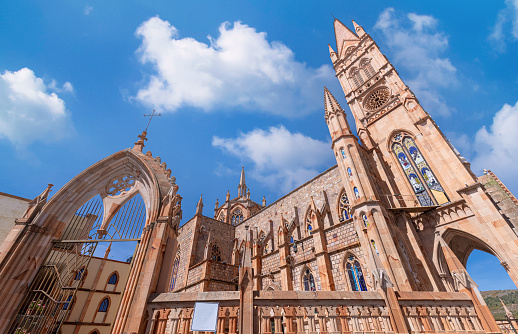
x: 377, y: 99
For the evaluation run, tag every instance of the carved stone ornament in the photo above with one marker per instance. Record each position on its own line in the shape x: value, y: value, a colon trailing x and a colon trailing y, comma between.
x: 377, y: 99
x: 120, y: 185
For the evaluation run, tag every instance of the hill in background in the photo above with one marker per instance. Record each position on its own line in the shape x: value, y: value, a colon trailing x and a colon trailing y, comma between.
x: 509, y: 297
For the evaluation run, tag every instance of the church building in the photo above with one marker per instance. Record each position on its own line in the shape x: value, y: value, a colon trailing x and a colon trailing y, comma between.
x: 378, y: 243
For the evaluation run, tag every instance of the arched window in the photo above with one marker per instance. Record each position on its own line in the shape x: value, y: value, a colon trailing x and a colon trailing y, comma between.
x: 356, y: 192
x: 215, y: 253
x: 103, y: 307
x: 357, y: 77
x: 176, y: 264
x: 367, y: 68
x: 355, y: 274
x: 308, y: 281
x: 345, y: 208
x: 374, y: 246
x: 349, y: 171
x: 365, y: 220
x: 79, y: 274
x: 343, y: 153
x: 114, y: 278
x: 266, y: 249
x: 309, y: 223
x: 403, y: 147
x: 68, y: 304
x: 237, y: 217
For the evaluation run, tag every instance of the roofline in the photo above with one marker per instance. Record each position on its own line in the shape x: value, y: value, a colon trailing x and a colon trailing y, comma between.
x: 293, y: 191
x: 14, y: 196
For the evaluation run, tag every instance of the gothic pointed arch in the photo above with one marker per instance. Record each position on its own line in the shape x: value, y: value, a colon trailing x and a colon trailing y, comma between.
x: 237, y: 215
x: 307, y: 279
x: 353, y: 272
x: 343, y: 206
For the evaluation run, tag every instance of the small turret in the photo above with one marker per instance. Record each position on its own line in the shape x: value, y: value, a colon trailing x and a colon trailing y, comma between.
x: 358, y: 29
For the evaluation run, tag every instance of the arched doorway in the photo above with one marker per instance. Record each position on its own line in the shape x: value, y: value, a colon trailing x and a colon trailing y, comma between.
x: 484, y: 260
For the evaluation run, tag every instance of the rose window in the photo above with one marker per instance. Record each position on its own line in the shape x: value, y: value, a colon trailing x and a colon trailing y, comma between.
x: 377, y: 99
x: 120, y: 184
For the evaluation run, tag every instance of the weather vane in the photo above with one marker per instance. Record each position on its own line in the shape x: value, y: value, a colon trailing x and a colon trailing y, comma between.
x: 151, y: 117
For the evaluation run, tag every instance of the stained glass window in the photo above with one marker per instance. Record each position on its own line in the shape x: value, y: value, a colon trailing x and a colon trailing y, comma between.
x: 343, y: 154
x: 356, y: 192
x: 309, y: 223
x: 104, y: 305
x: 409, y: 170
x: 349, y: 171
x: 404, y: 148
x: 215, y: 254
x: 355, y: 274
x: 309, y: 281
x: 345, y: 208
x: 357, y: 77
x: 113, y: 279
x: 79, y: 274
x: 427, y: 174
x: 176, y: 264
x: 365, y: 220
x: 68, y: 303
x: 237, y: 217
x: 374, y: 246
x: 266, y: 249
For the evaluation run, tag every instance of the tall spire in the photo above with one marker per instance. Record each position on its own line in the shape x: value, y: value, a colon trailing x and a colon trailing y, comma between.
x: 344, y: 37
x: 241, y: 188
x: 331, y: 105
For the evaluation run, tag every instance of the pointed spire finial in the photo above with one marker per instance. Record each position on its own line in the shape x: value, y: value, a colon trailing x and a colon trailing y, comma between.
x: 217, y: 204
x: 139, y: 145
x: 228, y: 196
x: 358, y: 29
x: 199, y: 206
x: 241, y: 188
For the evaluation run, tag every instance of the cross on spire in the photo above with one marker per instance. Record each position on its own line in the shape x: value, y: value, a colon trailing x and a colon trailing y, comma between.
x: 151, y: 117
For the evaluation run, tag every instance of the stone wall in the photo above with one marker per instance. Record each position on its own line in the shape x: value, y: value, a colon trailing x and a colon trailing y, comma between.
x: 503, y: 198
x: 11, y: 208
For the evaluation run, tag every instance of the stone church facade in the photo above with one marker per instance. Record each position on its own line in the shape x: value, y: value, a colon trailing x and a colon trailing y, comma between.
x: 376, y: 244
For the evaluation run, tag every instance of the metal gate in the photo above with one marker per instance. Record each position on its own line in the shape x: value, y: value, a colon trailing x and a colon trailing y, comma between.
x: 49, y: 299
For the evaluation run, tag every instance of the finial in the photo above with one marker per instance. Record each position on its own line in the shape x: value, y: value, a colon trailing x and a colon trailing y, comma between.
x: 241, y: 192
x: 248, y: 194
x: 217, y: 204
x: 199, y: 206
x: 228, y: 196
x: 139, y: 145
x: 264, y: 201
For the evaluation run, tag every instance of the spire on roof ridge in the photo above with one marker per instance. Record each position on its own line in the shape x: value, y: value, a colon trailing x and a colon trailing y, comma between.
x: 241, y: 188
x: 331, y: 105
x: 199, y: 206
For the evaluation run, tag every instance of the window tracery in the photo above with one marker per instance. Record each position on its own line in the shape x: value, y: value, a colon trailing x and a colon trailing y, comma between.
x: 405, y: 147
x: 120, y: 184
x: 176, y: 265
x: 308, y: 281
x: 309, y: 222
x: 355, y: 274
x: 377, y: 99
x: 237, y: 217
x: 215, y: 254
x: 357, y: 77
x: 345, y: 208
x: 356, y: 192
x: 367, y: 68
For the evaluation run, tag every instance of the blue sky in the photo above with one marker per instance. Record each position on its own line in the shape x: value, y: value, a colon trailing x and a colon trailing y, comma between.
x: 238, y: 84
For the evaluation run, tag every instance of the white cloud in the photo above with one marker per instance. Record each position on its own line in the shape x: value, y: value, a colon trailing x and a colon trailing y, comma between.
x: 67, y: 87
x: 506, y: 17
x: 496, y: 148
x: 28, y: 112
x: 282, y: 159
x: 239, y: 68
x: 88, y: 10
x: 418, y: 48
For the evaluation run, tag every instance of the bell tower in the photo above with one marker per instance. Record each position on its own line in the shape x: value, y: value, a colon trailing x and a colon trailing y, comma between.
x: 391, y: 122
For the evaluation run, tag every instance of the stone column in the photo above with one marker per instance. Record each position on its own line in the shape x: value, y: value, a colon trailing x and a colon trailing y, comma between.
x: 232, y: 320
x: 353, y: 314
x: 333, y: 314
x: 277, y: 318
x: 425, y: 320
x: 375, y: 316
x: 322, y: 323
x: 300, y: 320
x: 310, y: 313
x: 344, y: 315
x: 173, y: 321
x: 222, y: 315
x: 289, y: 315
x: 151, y: 323
x: 265, y: 320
